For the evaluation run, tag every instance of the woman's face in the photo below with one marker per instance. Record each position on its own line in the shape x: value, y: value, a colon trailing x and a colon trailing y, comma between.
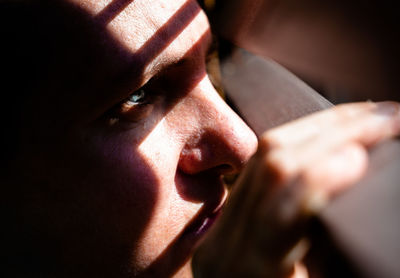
x: 124, y: 172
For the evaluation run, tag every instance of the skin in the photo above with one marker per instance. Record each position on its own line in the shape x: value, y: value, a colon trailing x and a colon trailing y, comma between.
x: 104, y: 186
x: 117, y: 183
x: 304, y: 172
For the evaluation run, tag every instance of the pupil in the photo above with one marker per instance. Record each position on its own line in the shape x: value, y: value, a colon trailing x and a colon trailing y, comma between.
x: 138, y: 96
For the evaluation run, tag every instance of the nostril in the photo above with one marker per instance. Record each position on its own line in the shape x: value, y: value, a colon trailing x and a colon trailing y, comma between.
x: 202, y: 159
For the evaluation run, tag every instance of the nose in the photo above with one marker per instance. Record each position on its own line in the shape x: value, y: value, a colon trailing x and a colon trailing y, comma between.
x: 217, y: 138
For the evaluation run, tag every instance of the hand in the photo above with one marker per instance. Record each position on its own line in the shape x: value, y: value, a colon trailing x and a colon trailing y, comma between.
x: 298, y: 167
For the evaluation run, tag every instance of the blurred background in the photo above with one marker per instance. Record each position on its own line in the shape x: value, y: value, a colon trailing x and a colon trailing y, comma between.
x: 346, y: 50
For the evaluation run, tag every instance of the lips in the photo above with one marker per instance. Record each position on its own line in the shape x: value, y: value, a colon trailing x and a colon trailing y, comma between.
x: 201, y: 224
x: 207, y: 189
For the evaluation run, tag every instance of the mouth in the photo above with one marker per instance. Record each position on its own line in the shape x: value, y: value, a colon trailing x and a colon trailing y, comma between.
x: 180, y: 250
x: 202, y: 223
x: 196, y: 229
x: 209, y: 190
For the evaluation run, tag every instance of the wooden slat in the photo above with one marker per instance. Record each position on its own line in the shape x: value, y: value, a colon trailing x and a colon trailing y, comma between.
x: 262, y: 89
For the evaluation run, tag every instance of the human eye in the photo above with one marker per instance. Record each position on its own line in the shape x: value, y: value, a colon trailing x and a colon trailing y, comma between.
x: 137, y: 98
x: 135, y: 107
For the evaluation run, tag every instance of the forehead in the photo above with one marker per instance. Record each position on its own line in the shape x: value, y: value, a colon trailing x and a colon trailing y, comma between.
x: 162, y: 31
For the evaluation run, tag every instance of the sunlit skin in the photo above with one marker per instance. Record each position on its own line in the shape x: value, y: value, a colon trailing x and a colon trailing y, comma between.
x: 122, y: 149
x: 128, y: 178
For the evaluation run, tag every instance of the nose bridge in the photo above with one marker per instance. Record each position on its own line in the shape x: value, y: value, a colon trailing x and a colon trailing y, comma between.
x: 221, y: 138
x: 218, y: 117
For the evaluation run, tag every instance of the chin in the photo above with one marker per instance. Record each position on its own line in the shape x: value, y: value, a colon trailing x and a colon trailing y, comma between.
x: 171, y: 257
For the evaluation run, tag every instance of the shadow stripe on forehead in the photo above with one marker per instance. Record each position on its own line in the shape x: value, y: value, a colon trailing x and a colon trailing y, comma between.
x: 140, y: 60
x: 132, y: 68
x: 163, y: 37
x: 112, y: 10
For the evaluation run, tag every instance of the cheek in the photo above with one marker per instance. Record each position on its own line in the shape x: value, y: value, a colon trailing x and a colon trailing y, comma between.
x: 134, y: 184
x: 121, y: 189
x: 130, y: 184
x: 161, y: 151
x: 170, y: 212
x: 92, y: 203
x: 113, y: 198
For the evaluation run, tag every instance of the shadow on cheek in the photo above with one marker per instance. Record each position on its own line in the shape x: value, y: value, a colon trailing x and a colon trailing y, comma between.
x: 81, y: 216
x: 80, y: 211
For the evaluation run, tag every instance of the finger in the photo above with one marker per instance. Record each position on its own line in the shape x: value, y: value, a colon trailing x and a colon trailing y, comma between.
x: 293, y: 205
x: 310, y: 192
x: 304, y: 129
x: 336, y: 171
x: 300, y: 271
x: 255, y: 229
x: 367, y: 129
x: 296, y: 254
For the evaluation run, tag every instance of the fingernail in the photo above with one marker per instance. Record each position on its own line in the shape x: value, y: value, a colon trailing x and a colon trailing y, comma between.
x: 388, y: 108
x: 388, y: 112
